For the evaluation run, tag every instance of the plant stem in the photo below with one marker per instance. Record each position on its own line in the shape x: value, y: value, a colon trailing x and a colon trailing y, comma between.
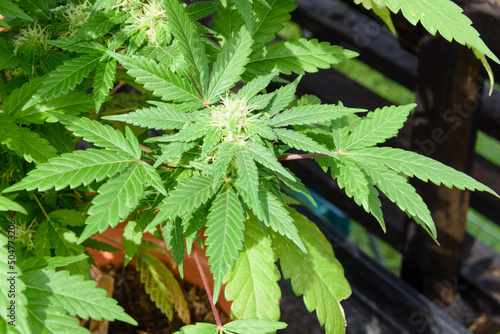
x: 41, y: 207
x: 207, y: 289
x: 303, y: 156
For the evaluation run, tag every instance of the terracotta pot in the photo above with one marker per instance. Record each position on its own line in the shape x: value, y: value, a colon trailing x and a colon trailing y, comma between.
x: 191, y: 274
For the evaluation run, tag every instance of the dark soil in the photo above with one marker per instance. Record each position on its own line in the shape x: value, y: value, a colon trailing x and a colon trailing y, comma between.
x: 130, y: 294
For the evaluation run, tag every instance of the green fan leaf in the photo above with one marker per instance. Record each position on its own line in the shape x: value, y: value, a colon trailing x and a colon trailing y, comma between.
x: 377, y: 126
x: 266, y: 158
x: 248, y: 178
x: 424, y: 168
x: 301, y: 141
x: 79, y: 47
x: 73, y: 169
x: 354, y: 181
x: 191, y: 132
x: 74, y: 295
x: 161, y: 117
x: 15, y: 102
x: 187, y: 196
x: 210, y: 141
x: 311, y: 114
x: 199, y: 328
x: 298, y: 56
x: 227, y: 21
x: 65, y: 244
x: 256, y: 85
x: 230, y: 64
x: 65, y: 78
x: 33, y: 264
x: 284, y: 95
x: 159, y: 79
x: 99, y: 134
x: 153, y: 178
x: 253, y: 326
x: 274, y: 215
x: 115, y: 201
x: 317, y: 274
x: 185, y: 32
x: 6, y: 204
x: 72, y: 103
x: 252, y: 281
x: 270, y: 20
x: 173, y: 150
x: 162, y: 286
x: 100, y: 24
x: 173, y: 234
x: 199, y: 10
x: 244, y: 7
x: 25, y: 143
x: 225, y: 226
x: 224, y: 155
x: 13, y: 10
x: 399, y: 191
x: 443, y: 16
x: 103, y: 82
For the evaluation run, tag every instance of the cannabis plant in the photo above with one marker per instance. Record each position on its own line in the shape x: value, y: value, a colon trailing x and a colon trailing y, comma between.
x: 188, y: 119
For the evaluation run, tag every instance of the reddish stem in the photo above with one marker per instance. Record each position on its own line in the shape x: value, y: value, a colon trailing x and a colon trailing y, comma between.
x: 303, y: 156
x: 207, y: 289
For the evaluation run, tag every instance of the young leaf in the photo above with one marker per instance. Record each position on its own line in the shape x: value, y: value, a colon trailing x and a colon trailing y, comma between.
x: 161, y: 117
x: 252, y: 281
x: 199, y: 10
x: 162, y: 286
x: 115, y: 201
x: 317, y: 274
x: 424, y: 168
x: 103, y: 82
x: 65, y: 78
x: 190, y: 132
x: 225, y: 226
x: 13, y: 10
x: 298, y: 56
x: 185, y: 32
x: 227, y: 21
x: 230, y: 64
x: 132, y: 236
x: 74, y: 295
x: 159, y: 79
x: 210, y: 141
x: 311, y: 114
x: 73, y: 169
x: 377, y: 126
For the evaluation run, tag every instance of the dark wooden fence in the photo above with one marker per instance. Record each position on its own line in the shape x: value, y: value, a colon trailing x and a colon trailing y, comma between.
x: 462, y: 276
